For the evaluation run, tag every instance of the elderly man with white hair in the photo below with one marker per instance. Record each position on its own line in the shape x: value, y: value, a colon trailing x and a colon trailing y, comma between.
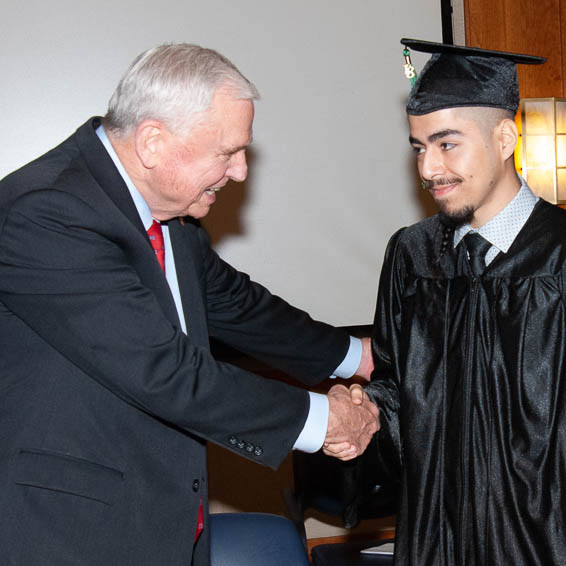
x: 109, y: 292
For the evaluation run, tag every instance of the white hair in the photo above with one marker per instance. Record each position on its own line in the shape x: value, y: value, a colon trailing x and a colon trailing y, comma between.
x: 175, y: 84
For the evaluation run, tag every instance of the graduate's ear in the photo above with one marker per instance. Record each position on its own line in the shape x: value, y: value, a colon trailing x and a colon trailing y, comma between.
x: 150, y: 139
x: 507, y: 137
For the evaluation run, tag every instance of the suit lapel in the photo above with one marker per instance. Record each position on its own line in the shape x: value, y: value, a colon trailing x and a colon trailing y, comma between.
x: 106, y: 175
x: 102, y: 168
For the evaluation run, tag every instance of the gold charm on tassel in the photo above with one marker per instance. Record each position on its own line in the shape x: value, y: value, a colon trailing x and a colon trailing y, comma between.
x: 410, y: 71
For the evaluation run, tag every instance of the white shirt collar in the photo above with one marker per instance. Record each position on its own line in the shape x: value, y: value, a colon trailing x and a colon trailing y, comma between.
x: 504, y: 227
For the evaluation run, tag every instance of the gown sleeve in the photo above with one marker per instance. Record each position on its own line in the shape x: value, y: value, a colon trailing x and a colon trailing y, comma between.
x: 383, y: 388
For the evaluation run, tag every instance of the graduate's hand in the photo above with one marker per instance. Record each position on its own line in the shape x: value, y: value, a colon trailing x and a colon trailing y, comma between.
x: 357, y: 394
x: 352, y: 421
x: 366, y: 363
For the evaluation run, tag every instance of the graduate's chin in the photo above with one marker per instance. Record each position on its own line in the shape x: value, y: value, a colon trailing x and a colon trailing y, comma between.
x: 456, y: 218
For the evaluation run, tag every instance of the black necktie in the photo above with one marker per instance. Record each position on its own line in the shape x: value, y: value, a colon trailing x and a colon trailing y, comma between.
x: 477, y: 247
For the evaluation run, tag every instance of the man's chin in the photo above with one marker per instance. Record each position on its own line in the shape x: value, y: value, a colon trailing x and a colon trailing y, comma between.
x: 456, y: 218
x: 198, y: 211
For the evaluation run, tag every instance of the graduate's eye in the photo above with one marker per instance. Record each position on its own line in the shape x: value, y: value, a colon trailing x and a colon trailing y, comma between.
x: 417, y: 149
x: 446, y: 146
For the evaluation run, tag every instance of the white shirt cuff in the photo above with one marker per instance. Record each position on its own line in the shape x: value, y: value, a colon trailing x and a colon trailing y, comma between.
x: 351, y: 362
x: 313, y: 433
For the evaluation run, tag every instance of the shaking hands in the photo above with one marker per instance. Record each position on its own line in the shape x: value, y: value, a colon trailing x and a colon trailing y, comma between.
x: 352, y: 421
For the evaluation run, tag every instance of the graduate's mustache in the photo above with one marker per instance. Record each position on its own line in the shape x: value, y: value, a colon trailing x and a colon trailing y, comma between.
x: 441, y: 182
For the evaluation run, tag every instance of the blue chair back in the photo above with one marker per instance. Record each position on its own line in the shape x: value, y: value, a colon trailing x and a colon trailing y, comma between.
x: 255, y: 539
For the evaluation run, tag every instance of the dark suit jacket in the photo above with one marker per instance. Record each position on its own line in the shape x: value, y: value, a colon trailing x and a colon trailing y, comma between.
x: 105, y: 405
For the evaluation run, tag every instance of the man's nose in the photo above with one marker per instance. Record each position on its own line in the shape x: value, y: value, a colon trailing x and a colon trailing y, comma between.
x: 431, y: 164
x: 238, y: 170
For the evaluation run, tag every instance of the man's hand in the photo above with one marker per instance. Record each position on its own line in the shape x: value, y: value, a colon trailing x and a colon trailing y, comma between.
x: 366, y: 363
x: 357, y: 395
x: 352, y: 421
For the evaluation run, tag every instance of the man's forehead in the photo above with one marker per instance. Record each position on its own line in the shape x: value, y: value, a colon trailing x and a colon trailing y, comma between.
x: 446, y: 116
x: 440, y: 124
x: 228, y: 118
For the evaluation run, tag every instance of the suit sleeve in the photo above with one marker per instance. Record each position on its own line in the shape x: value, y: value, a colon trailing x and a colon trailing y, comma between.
x: 245, y: 315
x: 383, y: 388
x: 68, y: 274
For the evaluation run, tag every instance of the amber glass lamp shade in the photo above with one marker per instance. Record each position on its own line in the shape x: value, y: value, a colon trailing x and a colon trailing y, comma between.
x: 541, y: 156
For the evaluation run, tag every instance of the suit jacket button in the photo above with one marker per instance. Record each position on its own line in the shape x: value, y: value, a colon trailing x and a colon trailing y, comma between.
x: 250, y: 447
x: 196, y: 485
x: 258, y: 451
x: 241, y: 444
x: 232, y: 440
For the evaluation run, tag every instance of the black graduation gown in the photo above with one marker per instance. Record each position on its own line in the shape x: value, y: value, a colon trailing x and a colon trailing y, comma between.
x: 470, y: 378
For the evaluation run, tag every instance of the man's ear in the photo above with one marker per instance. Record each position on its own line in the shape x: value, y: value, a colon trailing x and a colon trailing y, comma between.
x: 507, y: 137
x: 150, y: 140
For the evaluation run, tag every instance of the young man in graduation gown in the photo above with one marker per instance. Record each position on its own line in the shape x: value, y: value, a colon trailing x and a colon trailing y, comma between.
x: 470, y: 334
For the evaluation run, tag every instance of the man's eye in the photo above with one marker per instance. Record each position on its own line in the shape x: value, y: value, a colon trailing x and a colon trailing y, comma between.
x: 447, y: 145
x: 418, y: 150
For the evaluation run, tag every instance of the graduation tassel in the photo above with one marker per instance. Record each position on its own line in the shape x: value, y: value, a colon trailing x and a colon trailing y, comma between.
x: 410, y: 72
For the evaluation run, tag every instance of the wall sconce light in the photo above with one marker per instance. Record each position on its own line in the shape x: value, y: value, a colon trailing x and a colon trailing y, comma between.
x: 542, y: 153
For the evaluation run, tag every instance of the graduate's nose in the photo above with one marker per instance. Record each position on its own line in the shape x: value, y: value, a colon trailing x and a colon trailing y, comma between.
x: 431, y: 164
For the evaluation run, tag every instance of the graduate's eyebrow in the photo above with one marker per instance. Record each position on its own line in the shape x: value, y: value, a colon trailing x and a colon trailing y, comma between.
x: 435, y: 137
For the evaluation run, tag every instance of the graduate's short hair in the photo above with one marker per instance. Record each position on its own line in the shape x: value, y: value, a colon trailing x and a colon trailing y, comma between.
x: 486, y: 117
x: 175, y: 84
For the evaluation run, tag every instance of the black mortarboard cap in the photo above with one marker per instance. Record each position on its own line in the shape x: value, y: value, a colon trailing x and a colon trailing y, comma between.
x: 465, y: 76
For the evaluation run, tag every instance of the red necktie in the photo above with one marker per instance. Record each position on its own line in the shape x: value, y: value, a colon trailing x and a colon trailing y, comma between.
x: 200, y: 521
x: 155, y: 234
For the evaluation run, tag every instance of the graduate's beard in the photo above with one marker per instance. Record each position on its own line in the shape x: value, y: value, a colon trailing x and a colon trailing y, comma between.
x: 456, y: 218
x: 452, y: 218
